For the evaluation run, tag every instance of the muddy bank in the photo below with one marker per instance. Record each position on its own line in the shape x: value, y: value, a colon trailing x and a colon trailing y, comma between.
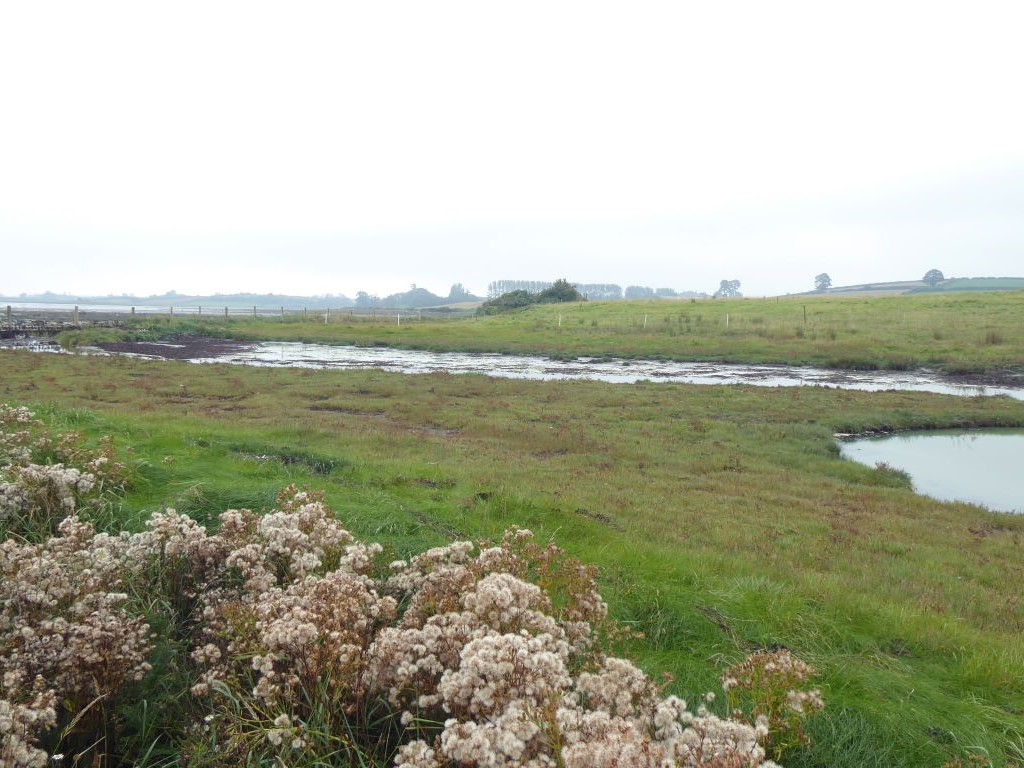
x: 993, y: 378
x: 209, y: 349
x: 200, y: 349
x: 619, y: 371
x: 183, y: 348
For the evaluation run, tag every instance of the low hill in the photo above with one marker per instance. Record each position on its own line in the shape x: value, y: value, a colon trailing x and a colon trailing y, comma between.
x: 895, y: 288
x: 957, y: 284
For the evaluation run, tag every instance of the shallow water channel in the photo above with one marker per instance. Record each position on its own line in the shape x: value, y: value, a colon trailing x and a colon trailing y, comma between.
x: 299, y: 355
x: 973, y: 466
x: 612, y: 370
x: 977, y: 466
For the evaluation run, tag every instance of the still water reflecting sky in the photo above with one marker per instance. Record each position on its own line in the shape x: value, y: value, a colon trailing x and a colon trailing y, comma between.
x: 981, y: 467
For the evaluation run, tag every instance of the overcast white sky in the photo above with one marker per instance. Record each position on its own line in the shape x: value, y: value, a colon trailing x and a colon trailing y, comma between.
x: 310, y: 148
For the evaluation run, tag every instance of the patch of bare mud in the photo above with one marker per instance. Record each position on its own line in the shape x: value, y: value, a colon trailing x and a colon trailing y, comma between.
x: 182, y: 348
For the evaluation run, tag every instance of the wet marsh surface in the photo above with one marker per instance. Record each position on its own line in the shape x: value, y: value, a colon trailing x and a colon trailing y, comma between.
x: 618, y: 371
x: 722, y: 518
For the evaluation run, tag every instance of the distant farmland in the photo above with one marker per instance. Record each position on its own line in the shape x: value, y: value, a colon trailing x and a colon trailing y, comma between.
x: 952, y: 285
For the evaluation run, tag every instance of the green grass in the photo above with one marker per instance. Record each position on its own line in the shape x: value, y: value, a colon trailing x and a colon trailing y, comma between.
x: 957, y: 332
x: 975, y: 284
x: 722, y: 518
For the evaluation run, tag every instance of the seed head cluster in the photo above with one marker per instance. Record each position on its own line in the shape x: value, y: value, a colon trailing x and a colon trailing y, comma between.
x: 65, y: 631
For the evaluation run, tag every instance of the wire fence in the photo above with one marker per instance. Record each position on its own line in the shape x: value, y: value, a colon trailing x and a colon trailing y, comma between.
x: 35, y: 318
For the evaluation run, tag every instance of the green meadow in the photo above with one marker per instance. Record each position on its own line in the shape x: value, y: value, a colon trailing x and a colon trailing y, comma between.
x: 722, y: 518
x: 958, y: 333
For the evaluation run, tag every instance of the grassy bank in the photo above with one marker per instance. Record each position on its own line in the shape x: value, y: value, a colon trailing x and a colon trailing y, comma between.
x: 722, y: 518
x: 960, y: 333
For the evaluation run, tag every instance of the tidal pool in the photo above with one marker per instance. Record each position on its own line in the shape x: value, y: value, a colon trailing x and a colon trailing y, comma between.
x: 981, y: 467
x: 300, y: 355
x: 616, y: 371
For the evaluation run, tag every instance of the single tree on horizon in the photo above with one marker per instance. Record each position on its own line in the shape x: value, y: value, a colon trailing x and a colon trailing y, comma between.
x: 728, y: 289
x: 458, y: 292
x: 561, y: 290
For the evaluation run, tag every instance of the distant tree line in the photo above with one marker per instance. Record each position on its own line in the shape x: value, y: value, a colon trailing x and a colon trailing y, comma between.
x: 643, y: 292
x: 414, y: 298
x: 556, y: 292
x: 500, y: 287
x: 591, y: 291
x: 600, y: 291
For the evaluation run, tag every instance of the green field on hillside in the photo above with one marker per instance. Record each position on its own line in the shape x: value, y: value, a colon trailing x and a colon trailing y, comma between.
x: 959, y: 284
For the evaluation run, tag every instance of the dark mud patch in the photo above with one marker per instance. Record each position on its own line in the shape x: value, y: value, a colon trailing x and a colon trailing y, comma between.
x: 314, y: 463
x: 433, y: 524
x: 993, y: 378
x: 433, y: 431
x: 721, y: 621
x: 181, y: 348
x: 551, y: 454
x: 347, y: 410
x: 599, y: 517
x: 424, y: 482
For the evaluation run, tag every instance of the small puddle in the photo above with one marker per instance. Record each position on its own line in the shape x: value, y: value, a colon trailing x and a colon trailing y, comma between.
x: 977, y: 466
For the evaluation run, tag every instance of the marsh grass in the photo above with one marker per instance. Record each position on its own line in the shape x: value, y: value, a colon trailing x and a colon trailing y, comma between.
x: 722, y: 519
x: 895, y: 333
